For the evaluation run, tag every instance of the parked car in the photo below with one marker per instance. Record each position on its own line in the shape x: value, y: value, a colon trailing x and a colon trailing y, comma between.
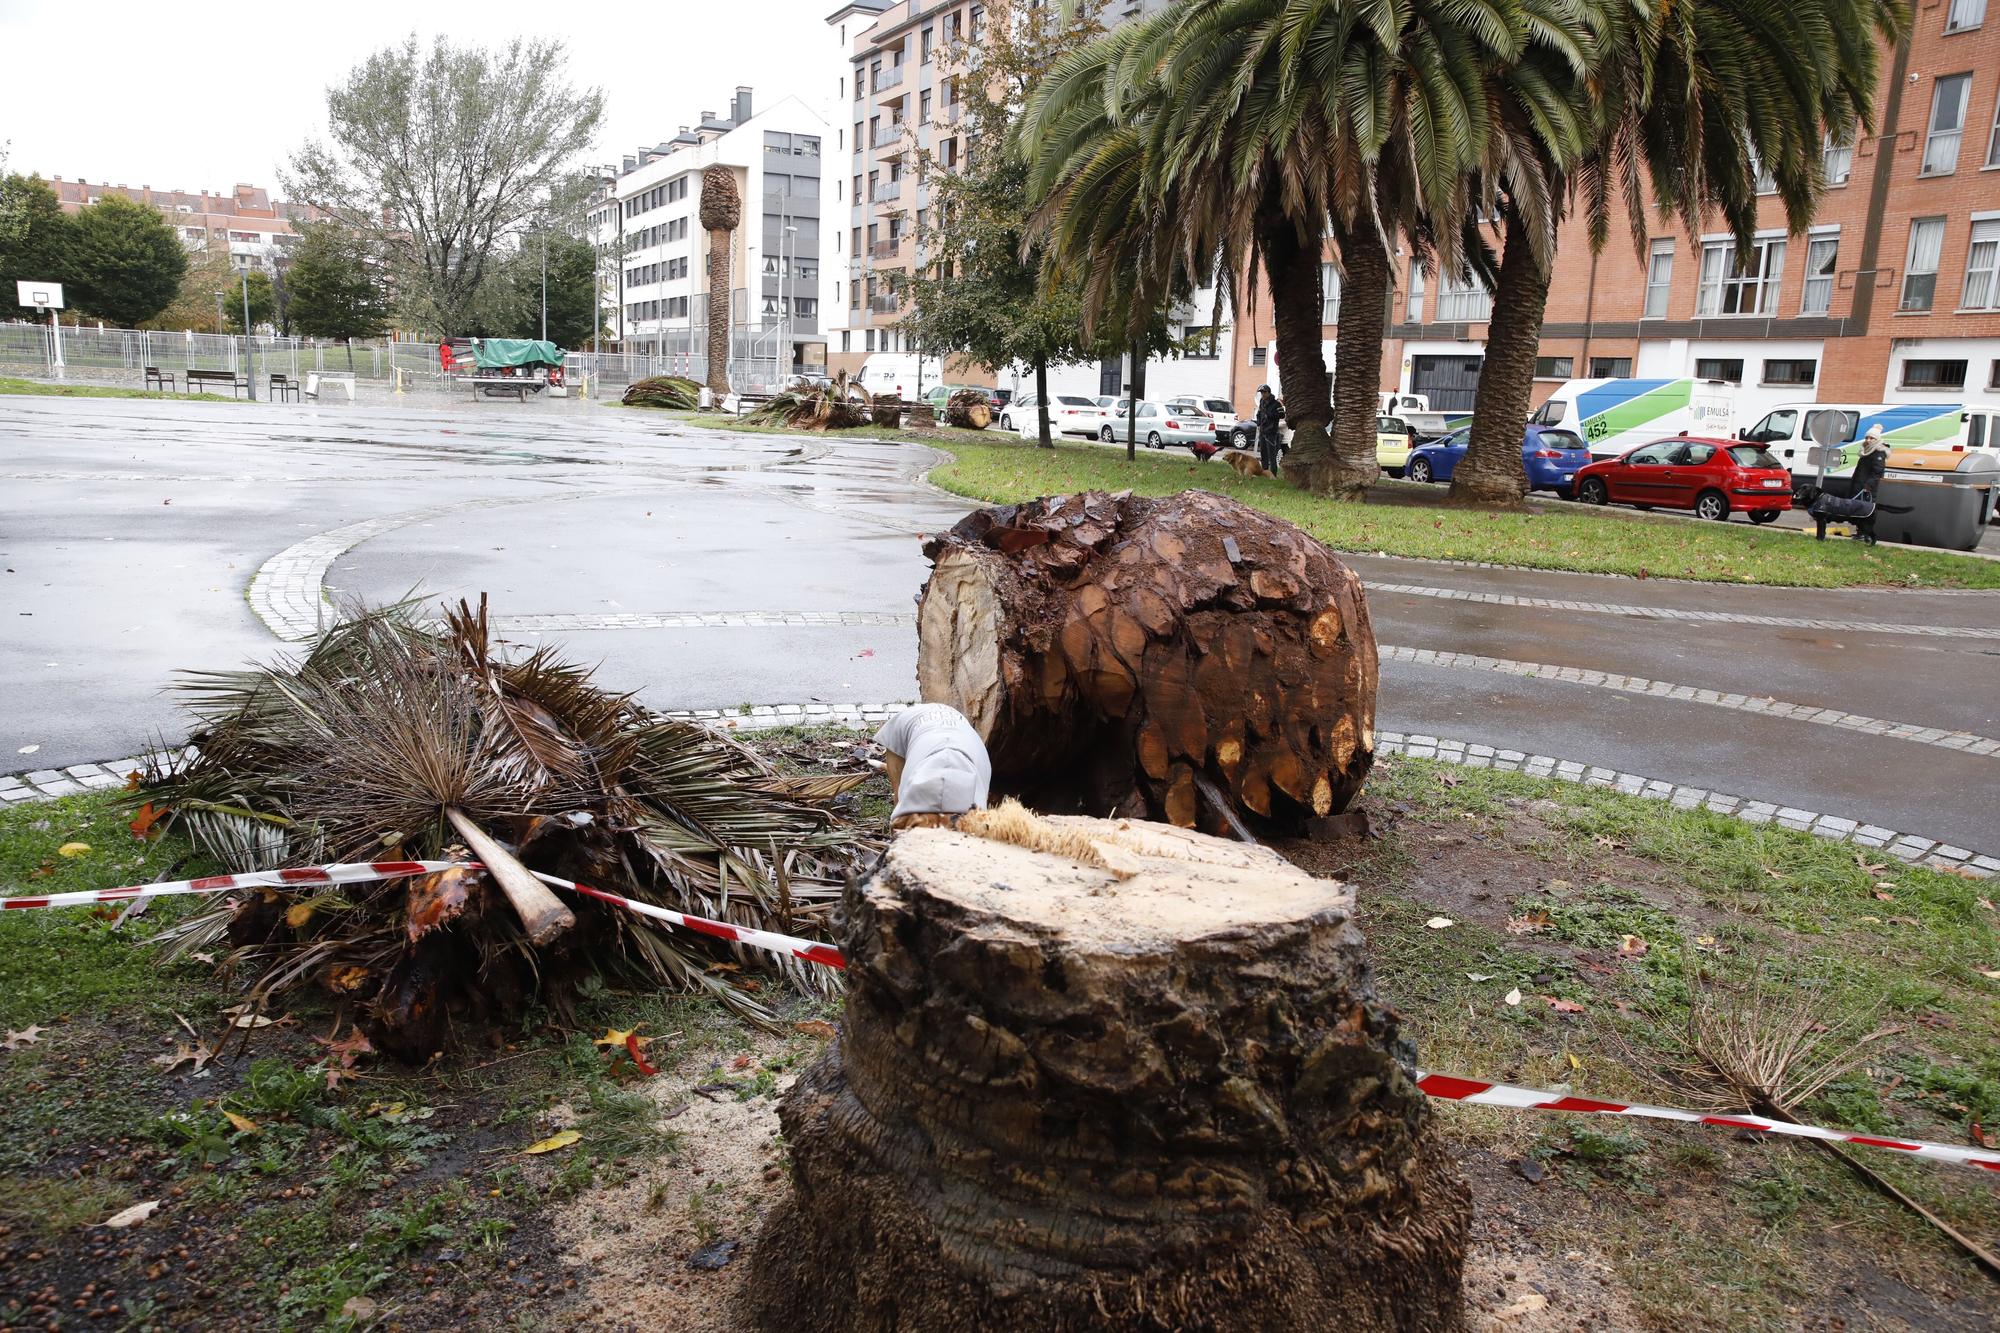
x: 1069, y: 414
x: 939, y: 394
x: 1715, y: 478
x: 1218, y: 410
x: 1160, y: 426
x: 1393, y: 441
x: 1551, y: 457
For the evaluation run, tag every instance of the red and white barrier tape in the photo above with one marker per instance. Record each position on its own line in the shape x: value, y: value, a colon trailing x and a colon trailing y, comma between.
x: 1482, y: 1093
x: 356, y: 872
x: 813, y: 951
x: 1445, y: 1087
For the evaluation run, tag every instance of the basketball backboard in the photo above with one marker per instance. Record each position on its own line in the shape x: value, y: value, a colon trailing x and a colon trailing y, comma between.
x: 40, y: 295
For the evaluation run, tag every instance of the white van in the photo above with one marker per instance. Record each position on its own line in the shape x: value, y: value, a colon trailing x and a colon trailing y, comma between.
x: 1921, y: 436
x: 902, y: 373
x: 1616, y: 415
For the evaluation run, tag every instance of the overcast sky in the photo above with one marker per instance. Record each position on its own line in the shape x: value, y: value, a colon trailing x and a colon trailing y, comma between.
x: 201, y: 98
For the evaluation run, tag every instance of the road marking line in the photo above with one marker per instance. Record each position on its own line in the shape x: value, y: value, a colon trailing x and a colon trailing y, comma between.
x: 1675, y: 613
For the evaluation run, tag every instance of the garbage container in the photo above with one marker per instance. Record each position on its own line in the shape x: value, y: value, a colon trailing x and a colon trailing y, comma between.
x: 1947, y: 509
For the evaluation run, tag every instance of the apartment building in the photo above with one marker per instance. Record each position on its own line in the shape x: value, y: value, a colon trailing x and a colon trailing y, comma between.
x: 1891, y: 295
x: 256, y: 229
x: 645, y: 220
x: 896, y: 90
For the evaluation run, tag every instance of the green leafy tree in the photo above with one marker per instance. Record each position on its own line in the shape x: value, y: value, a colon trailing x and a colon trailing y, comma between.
x: 511, y: 305
x: 1689, y: 103
x: 440, y: 155
x: 193, y: 306
x: 37, y: 239
x: 128, y: 261
x: 334, y: 286
x: 263, y: 300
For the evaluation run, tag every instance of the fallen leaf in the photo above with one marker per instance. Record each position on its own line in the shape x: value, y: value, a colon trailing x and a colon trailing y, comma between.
x: 618, y: 1037
x: 133, y: 1216
x: 1446, y: 778
x: 1882, y: 896
x: 1632, y: 946
x: 815, y: 1027
x: 298, y: 914
x: 145, y: 824
x: 1529, y: 923
x: 553, y: 1143
x: 27, y: 1036
x: 358, y: 1307
x: 1574, y: 1063
x: 1528, y: 1304
x: 1990, y: 976
x: 1867, y: 866
x: 1514, y: 996
x: 633, y: 1049
x: 1775, y: 875
x: 1558, y: 885
x: 197, y: 1055
x: 343, y: 980
x: 242, y: 1123
x: 1563, y: 1006
x: 740, y: 1062
x: 387, y: 1110
x: 72, y: 850
x: 1439, y: 922
x: 1479, y: 976
x: 1986, y: 903
x: 132, y: 780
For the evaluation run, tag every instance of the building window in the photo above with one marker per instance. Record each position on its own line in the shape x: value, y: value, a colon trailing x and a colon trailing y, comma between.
x: 1821, y: 254
x: 1993, y: 140
x: 924, y: 107
x: 1982, y: 267
x: 1766, y: 182
x: 1801, y: 372
x: 869, y: 337
x: 1554, y: 367
x: 1947, y: 125
x: 1727, y: 369
x: 1965, y: 15
x: 1261, y: 356
x: 1920, y: 273
x: 978, y: 23
x: 924, y: 43
x: 1200, y: 343
x: 1993, y: 377
x: 1659, y: 278
x: 1329, y: 294
x: 1747, y: 288
x: 1416, y: 293
x: 1610, y: 367
x: 1837, y: 158
x: 1934, y: 374
x: 950, y: 153
x: 846, y: 340
x: 1462, y: 300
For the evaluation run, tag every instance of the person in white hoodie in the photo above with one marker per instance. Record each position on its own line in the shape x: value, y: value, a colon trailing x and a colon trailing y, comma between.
x: 937, y: 765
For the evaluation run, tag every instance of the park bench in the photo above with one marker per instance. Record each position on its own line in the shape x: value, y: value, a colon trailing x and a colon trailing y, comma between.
x: 235, y: 382
x: 157, y: 379
x: 280, y: 386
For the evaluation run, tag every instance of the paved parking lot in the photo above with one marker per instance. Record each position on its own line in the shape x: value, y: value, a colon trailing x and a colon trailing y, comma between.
x: 716, y: 570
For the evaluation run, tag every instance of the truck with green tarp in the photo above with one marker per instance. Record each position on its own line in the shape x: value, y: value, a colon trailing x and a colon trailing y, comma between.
x: 519, y: 366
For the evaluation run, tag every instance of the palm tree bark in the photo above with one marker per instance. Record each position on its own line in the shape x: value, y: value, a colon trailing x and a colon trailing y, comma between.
x: 1492, y: 471
x: 1357, y: 363
x: 1042, y: 400
x: 718, y: 311
x: 1293, y: 276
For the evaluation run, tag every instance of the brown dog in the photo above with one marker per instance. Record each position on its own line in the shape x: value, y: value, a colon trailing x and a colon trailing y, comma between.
x: 1246, y: 464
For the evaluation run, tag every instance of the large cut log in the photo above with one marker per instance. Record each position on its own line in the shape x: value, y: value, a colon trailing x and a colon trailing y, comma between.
x: 1144, y: 1086
x: 1109, y: 649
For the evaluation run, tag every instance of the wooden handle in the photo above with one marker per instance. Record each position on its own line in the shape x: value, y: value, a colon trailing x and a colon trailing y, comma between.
x: 541, y: 911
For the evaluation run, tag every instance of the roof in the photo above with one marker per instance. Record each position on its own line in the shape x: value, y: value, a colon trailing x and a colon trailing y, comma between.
x: 859, y: 7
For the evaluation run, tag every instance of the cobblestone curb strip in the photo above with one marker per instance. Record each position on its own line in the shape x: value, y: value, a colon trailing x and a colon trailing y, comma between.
x: 1962, y: 741
x: 47, y: 784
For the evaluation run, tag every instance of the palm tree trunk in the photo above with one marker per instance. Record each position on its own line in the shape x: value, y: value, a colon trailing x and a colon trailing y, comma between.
x: 1291, y: 266
x: 1042, y: 400
x: 718, y: 312
x: 1492, y: 471
x: 1357, y: 363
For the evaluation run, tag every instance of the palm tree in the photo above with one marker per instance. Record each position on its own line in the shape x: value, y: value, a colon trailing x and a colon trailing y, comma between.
x: 1692, y: 102
x: 721, y: 213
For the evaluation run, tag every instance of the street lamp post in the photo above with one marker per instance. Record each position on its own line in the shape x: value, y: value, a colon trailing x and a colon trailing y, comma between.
x: 545, y: 285
x: 786, y: 246
x: 249, y: 352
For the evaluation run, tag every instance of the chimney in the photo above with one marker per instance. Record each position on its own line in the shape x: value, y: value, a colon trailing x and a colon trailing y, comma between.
x: 742, y: 103
x: 707, y: 116
x: 630, y: 164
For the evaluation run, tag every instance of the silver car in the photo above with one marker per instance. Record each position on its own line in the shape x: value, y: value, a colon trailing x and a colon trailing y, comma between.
x: 1160, y: 425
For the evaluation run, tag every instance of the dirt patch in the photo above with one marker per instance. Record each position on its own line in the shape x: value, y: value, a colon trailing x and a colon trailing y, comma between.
x: 669, y: 1249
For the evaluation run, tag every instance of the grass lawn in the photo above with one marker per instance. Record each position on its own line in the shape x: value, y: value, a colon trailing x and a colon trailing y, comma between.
x: 1402, y: 518
x: 944, y: 437
x: 402, y: 1196
x: 80, y: 389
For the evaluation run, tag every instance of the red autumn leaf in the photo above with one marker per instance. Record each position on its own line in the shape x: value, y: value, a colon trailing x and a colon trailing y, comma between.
x: 740, y: 1062
x: 344, y: 1052
x: 145, y: 824
x: 1563, y: 1006
x: 638, y: 1055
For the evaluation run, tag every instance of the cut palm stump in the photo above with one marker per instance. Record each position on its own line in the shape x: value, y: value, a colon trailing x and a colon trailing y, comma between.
x: 1143, y: 1086
x: 1113, y: 651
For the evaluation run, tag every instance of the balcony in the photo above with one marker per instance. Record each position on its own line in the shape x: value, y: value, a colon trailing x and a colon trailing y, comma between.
x: 882, y: 305
x: 887, y: 136
x: 889, y: 78
x: 886, y: 249
x: 888, y: 192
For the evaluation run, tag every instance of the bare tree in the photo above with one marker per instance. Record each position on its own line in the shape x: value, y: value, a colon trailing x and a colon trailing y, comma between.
x: 439, y: 154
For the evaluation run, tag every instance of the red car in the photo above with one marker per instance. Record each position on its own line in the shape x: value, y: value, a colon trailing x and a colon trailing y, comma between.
x: 1715, y: 478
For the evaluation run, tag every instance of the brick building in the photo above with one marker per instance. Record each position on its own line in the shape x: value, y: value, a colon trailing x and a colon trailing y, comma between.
x: 1892, y: 295
x: 256, y: 228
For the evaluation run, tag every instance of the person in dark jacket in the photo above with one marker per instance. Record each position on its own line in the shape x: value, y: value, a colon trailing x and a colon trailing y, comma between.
x: 1270, y: 422
x: 1873, y: 462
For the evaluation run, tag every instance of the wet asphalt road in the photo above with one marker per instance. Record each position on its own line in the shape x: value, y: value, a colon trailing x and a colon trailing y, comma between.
x: 131, y: 533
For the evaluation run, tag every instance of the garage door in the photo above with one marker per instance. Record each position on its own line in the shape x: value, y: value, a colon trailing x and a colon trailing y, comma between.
x: 1451, y: 382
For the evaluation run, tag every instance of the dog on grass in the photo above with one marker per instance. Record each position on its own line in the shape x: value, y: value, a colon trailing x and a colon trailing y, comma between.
x: 1245, y: 464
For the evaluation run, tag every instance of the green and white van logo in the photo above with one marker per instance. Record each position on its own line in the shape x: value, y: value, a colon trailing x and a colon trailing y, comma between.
x: 1627, y: 405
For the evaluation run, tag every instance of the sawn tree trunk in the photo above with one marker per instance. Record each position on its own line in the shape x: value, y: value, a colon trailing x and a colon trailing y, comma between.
x: 1116, y: 653
x: 718, y: 312
x: 1071, y: 1098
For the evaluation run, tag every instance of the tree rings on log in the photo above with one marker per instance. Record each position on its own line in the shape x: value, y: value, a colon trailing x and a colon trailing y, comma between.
x: 1147, y: 1085
x: 1110, y: 648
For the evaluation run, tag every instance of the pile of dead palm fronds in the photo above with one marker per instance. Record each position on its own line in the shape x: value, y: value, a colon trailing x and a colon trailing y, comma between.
x: 393, y: 739
x: 834, y: 405
x: 674, y: 391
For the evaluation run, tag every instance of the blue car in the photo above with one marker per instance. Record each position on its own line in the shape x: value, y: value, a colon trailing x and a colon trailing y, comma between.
x: 1551, y: 457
